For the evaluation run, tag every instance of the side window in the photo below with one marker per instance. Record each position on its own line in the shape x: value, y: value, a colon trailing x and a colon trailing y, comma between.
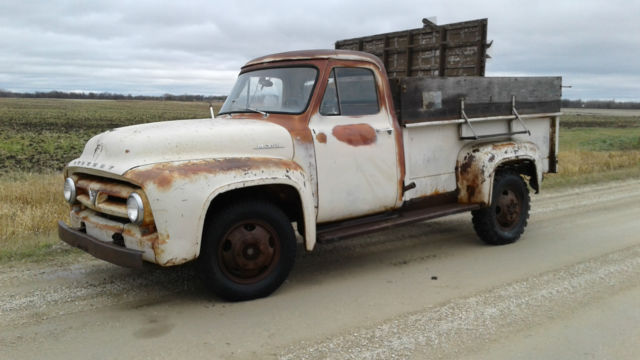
x: 350, y: 91
x: 329, y: 105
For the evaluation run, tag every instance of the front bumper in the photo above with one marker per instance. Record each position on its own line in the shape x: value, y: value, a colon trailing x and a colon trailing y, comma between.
x: 102, y: 250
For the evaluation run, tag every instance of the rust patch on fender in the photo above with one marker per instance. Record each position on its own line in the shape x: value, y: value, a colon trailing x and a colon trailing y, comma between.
x: 466, y: 164
x: 322, y: 138
x: 163, y: 175
x: 355, y: 135
x: 503, y: 146
x: 470, y: 177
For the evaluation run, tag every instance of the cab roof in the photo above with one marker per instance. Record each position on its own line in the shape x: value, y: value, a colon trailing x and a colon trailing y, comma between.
x: 317, y: 54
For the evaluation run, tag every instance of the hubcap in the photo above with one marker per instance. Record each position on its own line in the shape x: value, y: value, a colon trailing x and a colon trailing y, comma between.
x: 508, y: 209
x: 249, y: 251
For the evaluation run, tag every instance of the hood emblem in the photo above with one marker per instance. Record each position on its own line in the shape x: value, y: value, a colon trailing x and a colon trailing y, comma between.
x: 97, y: 150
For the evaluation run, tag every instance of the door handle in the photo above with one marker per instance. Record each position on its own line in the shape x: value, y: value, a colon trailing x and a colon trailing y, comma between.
x: 386, y: 130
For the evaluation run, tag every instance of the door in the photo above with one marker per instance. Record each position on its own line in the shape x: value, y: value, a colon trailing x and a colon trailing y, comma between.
x: 355, y: 147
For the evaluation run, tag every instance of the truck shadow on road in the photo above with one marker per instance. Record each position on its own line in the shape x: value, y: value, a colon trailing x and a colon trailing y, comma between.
x: 403, y: 246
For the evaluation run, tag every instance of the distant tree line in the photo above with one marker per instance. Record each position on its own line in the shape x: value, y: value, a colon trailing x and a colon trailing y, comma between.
x: 591, y: 104
x: 600, y: 104
x: 108, y: 96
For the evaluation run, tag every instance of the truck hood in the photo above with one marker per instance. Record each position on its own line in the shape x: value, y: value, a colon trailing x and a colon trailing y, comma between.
x: 119, y: 150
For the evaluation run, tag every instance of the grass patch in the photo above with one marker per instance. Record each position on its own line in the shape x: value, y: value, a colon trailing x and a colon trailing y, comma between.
x: 554, y: 181
x: 38, y: 248
x: 595, y: 154
x: 598, y: 121
x: 600, y: 139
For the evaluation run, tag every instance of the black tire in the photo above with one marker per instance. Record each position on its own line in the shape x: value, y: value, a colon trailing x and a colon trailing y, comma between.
x: 504, y: 221
x: 248, y: 250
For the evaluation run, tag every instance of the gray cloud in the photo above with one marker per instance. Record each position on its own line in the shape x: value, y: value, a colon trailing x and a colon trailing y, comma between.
x: 155, y: 47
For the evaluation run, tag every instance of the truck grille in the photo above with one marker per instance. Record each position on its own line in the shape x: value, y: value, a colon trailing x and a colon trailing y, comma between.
x: 104, y: 195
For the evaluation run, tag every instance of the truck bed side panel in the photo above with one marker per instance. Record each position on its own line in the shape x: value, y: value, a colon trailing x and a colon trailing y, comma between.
x: 420, y: 99
x: 432, y: 150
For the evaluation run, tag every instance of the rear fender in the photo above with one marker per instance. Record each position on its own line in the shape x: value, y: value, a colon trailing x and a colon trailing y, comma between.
x: 477, y: 163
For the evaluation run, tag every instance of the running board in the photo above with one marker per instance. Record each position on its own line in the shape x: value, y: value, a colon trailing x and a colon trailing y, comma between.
x: 336, y: 231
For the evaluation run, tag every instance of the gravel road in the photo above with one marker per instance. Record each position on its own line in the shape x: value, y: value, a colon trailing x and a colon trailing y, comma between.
x: 569, y: 289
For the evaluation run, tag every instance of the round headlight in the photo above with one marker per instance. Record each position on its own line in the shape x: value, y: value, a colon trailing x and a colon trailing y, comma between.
x: 69, y: 190
x: 135, y: 209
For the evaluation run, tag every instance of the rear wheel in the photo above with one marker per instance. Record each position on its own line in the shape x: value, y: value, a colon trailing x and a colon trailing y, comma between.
x: 505, y: 219
x: 249, y: 249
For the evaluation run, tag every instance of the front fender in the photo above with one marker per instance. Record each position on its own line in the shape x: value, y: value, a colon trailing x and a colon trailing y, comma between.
x: 179, y: 195
x: 477, y: 164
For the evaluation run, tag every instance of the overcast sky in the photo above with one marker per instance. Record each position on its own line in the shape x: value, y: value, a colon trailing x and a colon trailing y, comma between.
x: 197, y: 47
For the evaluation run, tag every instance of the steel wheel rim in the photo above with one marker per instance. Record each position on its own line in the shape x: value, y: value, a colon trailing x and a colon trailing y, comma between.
x: 249, y: 251
x: 508, y: 209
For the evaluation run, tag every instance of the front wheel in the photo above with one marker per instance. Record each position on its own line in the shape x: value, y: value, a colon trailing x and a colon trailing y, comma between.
x: 505, y: 219
x: 248, y: 250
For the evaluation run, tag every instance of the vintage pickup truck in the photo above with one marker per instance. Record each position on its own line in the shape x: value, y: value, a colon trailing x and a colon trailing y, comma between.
x: 310, y: 142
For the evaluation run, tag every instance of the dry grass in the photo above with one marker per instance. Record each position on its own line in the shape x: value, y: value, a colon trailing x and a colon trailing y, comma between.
x: 30, y: 207
x: 577, y: 162
x: 579, y: 167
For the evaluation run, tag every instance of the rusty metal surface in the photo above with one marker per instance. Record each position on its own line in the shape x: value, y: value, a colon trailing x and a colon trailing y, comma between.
x: 402, y: 216
x: 355, y: 134
x: 508, y: 209
x: 322, y: 138
x: 477, y: 163
x: 142, y: 238
x: 249, y: 252
x: 103, y: 195
x: 180, y: 194
x: 109, y: 196
x: 163, y: 175
x: 369, y: 162
x: 457, y: 49
x: 299, y: 126
x: 320, y: 54
x: 102, y: 250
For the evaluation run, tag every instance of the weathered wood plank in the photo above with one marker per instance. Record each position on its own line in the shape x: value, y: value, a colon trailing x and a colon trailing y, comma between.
x: 457, y: 49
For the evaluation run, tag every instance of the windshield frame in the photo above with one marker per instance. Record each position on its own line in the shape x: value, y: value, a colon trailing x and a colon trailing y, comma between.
x: 291, y: 66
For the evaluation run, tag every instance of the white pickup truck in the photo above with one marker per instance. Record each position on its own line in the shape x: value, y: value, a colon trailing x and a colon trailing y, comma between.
x: 310, y: 142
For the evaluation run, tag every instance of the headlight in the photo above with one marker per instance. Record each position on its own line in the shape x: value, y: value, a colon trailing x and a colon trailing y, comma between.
x: 135, y: 209
x: 69, y: 190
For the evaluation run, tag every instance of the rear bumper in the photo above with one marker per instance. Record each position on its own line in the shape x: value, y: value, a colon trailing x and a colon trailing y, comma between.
x: 102, y: 250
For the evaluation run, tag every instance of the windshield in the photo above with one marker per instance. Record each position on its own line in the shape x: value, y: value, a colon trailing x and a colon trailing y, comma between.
x: 280, y: 90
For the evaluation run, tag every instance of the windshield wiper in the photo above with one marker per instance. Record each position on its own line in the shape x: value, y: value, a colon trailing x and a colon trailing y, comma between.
x: 264, y: 113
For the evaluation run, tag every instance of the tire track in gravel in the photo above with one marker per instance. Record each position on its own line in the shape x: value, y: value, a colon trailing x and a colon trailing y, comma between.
x: 45, y: 291
x: 442, y: 331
